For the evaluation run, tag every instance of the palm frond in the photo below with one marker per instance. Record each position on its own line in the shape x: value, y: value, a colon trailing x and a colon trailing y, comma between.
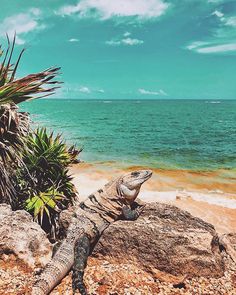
x: 30, y: 87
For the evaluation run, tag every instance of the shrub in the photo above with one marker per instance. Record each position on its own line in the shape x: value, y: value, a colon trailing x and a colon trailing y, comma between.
x: 44, y: 184
x: 33, y: 165
x: 14, y: 125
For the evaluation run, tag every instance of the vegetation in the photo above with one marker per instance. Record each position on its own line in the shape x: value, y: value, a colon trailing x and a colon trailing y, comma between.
x: 14, y: 125
x: 33, y: 164
x: 44, y: 184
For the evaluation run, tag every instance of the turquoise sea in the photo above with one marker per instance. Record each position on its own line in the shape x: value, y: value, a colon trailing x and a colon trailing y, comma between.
x: 169, y: 134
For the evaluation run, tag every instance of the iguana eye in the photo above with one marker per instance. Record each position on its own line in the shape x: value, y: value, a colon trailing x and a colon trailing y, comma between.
x: 135, y: 174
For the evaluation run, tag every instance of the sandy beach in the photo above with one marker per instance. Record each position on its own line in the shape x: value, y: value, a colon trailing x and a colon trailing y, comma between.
x: 208, y: 195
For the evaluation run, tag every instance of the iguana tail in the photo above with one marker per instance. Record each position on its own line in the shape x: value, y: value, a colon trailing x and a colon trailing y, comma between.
x: 55, y: 270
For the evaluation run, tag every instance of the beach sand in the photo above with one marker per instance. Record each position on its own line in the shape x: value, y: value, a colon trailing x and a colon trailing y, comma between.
x: 207, y: 195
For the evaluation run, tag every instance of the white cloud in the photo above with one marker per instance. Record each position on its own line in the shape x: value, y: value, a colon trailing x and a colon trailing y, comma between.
x: 218, y: 13
x: 131, y: 42
x: 22, y: 24
x: 101, y: 90
x: 113, y: 43
x: 73, y: 40
x: 226, y: 21
x: 208, y: 47
x: 35, y: 11
x: 105, y: 9
x: 126, y: 34
x: 126, y: 41
x: 68, y: 10
x: 19, y: 41
x: 84, y: 89
x: 231, y: 21
x: 196, y: 44
x: 217, y: 48
x: 222, y: 39
x: 149, y: 92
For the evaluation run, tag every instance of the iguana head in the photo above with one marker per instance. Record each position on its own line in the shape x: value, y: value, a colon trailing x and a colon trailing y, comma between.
x: 129, y: 185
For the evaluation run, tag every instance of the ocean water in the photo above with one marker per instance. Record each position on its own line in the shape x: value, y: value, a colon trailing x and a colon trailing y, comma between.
x: 168, y: 134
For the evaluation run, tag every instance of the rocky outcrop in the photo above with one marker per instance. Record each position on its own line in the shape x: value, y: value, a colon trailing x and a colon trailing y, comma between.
x: 22, y: 237
x: 158, y: 253
x: 166, y: 241
x: 228, y: 243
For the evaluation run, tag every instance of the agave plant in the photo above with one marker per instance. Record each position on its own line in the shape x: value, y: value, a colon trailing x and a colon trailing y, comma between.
x: 43, y: 207
x: 45, y: 186
x: 14, y: 125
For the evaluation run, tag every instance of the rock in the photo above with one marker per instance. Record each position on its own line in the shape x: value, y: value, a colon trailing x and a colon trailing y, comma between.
x: 153, y: 245
x: 166, y: 241
x: 228, y: 243
x: 21, y: 236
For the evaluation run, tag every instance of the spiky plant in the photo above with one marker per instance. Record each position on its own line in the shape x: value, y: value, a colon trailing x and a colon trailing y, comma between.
x: 14, y: 125
x: 44, y: 208
x: 45, y: 186
x: 13, y: 128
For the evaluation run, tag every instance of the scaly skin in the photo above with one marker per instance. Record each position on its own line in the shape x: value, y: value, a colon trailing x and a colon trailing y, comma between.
x: 112, y: 202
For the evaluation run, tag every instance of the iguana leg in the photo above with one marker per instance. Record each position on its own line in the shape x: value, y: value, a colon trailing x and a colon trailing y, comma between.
x: 132, y: 214
x: 55, y: 248
x: 82, y: 248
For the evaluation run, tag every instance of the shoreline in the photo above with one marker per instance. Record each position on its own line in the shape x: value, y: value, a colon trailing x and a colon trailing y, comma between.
x: 221, y: 181
x: 207, y: 195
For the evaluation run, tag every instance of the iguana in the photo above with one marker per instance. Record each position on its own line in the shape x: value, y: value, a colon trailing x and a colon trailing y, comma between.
x: 113, y: 202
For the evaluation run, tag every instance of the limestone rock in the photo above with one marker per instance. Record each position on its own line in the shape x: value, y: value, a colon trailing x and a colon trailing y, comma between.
x: 20, y: 236
x: 228, y: 243
x: 165, y: 241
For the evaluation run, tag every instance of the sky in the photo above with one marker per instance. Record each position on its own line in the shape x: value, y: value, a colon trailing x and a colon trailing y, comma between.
x: 128, y: 49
